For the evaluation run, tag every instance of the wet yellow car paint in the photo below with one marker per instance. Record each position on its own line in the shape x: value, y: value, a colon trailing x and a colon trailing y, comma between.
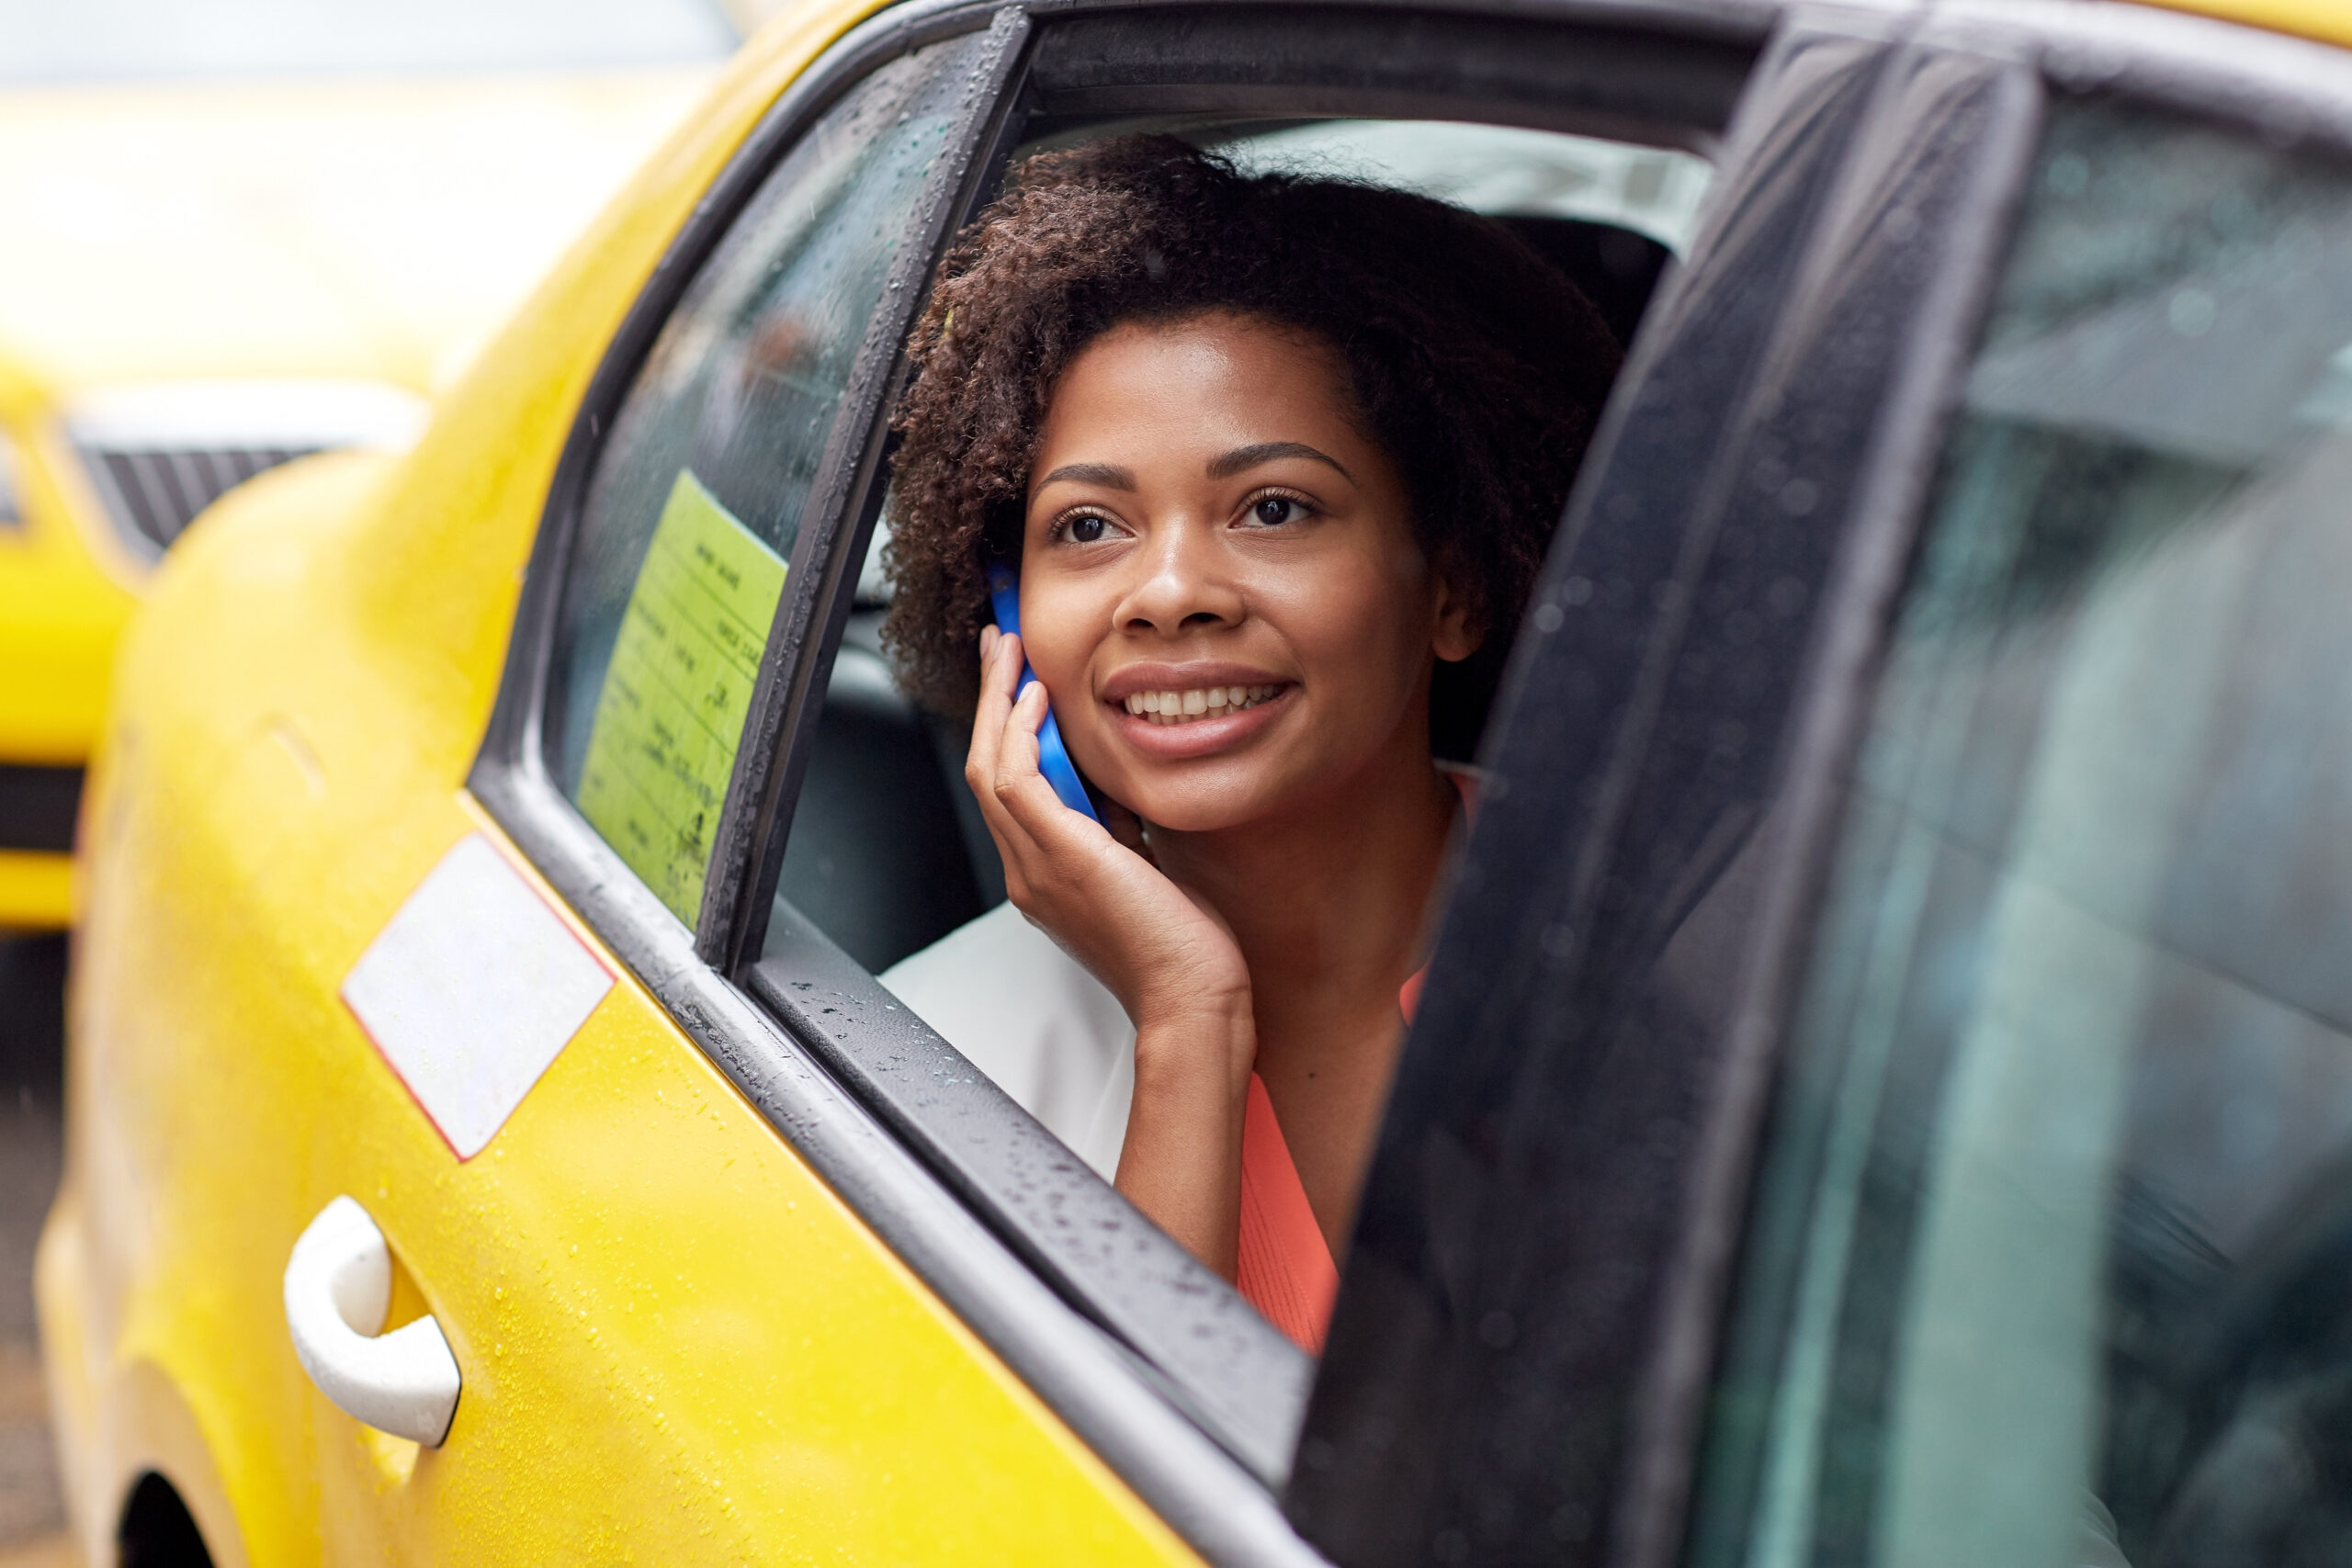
x: 208, y: 230
x: 679, y: 1345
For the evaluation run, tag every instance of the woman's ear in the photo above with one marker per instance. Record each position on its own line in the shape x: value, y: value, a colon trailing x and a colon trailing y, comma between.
x: 1456, y: 629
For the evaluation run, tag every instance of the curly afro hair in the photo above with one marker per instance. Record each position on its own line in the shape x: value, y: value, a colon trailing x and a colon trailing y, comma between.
x: 1475, y: 364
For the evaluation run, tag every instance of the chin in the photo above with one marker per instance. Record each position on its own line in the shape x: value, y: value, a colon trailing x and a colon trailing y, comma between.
x: 1210, y: 802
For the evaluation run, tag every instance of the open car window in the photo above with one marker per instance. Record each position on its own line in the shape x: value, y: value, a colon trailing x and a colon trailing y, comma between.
x: 888, y: 853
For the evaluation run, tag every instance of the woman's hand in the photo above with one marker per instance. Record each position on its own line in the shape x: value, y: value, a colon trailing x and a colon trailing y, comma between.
x: 1171, y: 962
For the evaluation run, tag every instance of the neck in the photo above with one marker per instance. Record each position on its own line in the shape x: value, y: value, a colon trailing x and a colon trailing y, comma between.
x: 1326, y: 901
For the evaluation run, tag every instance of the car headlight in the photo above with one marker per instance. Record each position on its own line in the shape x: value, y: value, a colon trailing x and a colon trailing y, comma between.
x: 159, y: 453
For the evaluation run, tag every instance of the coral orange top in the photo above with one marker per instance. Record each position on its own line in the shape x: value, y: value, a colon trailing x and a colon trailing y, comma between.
x: 1285, y: 1269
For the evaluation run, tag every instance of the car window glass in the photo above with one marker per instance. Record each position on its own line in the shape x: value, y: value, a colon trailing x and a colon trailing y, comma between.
x: 888, y: 852
x: 2048, y: 1258
x: 697, y: 494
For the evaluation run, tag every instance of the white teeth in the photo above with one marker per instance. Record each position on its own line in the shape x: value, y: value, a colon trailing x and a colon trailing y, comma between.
x: 1179, y: 708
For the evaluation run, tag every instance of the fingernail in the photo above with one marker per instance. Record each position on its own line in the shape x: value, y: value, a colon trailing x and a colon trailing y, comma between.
x: 988, y: 642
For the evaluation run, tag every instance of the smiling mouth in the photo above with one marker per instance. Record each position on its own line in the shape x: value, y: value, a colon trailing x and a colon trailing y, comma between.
x: 1198, y: 702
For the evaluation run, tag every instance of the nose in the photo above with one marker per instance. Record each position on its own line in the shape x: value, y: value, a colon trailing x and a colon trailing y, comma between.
x: 1183, y: 582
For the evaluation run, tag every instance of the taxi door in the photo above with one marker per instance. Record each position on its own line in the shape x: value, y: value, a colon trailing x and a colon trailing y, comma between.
x: 667, y: 1340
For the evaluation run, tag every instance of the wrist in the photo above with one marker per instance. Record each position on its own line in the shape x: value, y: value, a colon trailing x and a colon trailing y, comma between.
x: 1198, y: 1008
x: 1202, y: 1050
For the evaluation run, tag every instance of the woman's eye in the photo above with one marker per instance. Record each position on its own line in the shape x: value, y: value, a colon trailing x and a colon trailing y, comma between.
x: 1086, y: 530
x: 1276, y: 509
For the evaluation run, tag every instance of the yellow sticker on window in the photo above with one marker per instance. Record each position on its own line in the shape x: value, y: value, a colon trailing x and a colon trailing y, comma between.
x: 671, y: 716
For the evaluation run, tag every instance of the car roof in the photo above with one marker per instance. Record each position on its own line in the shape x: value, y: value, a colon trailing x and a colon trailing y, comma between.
x: 2329, y: 21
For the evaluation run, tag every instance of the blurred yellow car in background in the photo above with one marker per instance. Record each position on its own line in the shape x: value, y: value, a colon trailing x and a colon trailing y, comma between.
x: 243, y: 231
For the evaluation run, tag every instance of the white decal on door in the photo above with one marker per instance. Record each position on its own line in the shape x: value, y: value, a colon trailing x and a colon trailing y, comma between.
x: 471, y: 990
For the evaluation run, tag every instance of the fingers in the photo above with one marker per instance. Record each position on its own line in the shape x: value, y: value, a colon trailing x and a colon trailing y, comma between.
x: 999, y: 670
x: 1026, y: 818
x: 1021, y: 789
x: 1049, y: 850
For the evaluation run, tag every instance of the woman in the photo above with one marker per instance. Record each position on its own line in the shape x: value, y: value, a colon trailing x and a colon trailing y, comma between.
x: 1276, y: 460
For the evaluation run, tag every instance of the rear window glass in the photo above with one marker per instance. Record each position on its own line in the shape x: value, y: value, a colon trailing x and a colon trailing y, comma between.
x: 697, y: 495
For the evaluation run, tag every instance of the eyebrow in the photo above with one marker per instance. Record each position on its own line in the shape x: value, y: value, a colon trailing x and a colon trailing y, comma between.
x: 1108, y: 476
x: 1242, y: 458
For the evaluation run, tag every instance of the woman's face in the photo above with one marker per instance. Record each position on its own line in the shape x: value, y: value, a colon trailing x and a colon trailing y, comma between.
x: 1209, y: 533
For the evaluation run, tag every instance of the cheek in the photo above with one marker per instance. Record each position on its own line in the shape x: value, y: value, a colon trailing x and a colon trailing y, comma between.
x: 1058, y: 621
x: 1360, y: 625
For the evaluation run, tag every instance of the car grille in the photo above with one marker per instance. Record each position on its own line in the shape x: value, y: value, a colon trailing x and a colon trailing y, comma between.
x: 37, y: 805
x: 154, y: 494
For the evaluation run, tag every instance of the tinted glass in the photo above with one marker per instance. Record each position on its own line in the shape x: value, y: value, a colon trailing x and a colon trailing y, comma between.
x: 2049, y: 1259
x: 697, y: 497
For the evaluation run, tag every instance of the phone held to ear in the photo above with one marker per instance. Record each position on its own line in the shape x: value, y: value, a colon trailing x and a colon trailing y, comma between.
x: 1053, y: 758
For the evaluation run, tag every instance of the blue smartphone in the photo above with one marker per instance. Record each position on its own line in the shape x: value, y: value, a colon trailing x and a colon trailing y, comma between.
x: 1053, y: 758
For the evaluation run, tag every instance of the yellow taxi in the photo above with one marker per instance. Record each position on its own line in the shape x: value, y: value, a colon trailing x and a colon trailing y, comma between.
x: 1884, y: 1088
x: 241, y: 234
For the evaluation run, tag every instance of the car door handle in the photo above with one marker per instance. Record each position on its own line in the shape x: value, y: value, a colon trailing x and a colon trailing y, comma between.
x: 338, y: 1288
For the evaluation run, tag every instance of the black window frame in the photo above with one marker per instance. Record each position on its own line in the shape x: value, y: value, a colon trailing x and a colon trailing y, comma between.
x: 1608, y: 897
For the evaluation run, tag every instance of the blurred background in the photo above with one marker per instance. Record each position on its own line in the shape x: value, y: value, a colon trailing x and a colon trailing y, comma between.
x: 239, y: 232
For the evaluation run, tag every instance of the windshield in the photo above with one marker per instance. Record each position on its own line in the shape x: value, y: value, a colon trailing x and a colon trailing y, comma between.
x: 104, y: 41
x: 2049, y: 1259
